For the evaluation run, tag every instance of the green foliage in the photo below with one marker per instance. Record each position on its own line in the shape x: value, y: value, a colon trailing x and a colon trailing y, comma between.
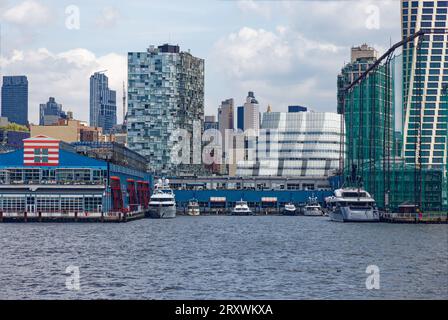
x: 15, y: 127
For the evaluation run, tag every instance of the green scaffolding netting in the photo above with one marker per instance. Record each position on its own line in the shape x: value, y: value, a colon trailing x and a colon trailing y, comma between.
x: 374, y: 145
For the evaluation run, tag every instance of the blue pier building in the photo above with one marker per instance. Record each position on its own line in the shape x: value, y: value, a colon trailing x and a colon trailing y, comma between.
x: 48, y: 178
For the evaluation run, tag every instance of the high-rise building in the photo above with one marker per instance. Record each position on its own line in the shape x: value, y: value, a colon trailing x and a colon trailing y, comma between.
x: 240, y: 118
x: 103, y: 103
x: 296, y: 144
x: 251, y: 113
x: 425, y: 72
x: 15, y: 99
x: 361, y: 59
x: 50, y: 113
x: 225, y: 117
x: 210, y: 123
x: 165, y: 93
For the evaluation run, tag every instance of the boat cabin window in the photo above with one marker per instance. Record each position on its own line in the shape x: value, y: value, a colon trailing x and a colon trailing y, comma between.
x: 354, y: 195
x: 355, y: 204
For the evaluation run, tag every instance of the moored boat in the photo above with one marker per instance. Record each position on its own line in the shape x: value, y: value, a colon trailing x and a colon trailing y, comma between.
x: 312, y: 208
x: 289, y: 209
x: 193, y: 208
x: 352, y: 205
x: 162, y: 204
x: 241, y: 209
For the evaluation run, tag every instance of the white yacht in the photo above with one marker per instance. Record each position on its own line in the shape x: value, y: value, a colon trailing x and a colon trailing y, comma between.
x: 241, y: 209
x: 162, y: 204
x: 290, y: 209
x: 312, y: 208
x: 193, y: 208
x: 352, y: 205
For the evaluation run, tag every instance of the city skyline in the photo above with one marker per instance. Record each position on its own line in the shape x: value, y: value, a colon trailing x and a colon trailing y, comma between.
x: 238, y: 53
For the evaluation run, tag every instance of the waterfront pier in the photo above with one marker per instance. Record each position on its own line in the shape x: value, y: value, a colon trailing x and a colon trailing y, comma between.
x: 45, y: 182
x: 116, y: 217
x: 424, y: 218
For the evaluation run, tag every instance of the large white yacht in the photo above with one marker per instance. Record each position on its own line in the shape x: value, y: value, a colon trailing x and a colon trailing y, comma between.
x: 312, y: 208
x: 241, y: 209
x: 162, y: 204
x: 352, y: 205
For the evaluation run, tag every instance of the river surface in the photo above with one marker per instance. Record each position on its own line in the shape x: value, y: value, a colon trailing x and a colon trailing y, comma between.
x: 223, y: 257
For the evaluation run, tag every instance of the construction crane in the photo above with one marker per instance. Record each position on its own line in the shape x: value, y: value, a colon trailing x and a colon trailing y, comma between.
x: 386, y: 57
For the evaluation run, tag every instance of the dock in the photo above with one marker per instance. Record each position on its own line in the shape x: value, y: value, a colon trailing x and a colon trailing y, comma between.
x: 111, y: 217
x: 412, y: 218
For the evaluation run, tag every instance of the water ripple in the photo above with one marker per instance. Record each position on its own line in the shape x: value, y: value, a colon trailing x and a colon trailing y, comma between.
x: 224, y: 258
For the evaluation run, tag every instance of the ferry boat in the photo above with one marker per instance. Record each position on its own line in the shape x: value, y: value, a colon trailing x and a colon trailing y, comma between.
x: 241, y: 209
x: 162, y: 204
x: 193, y: 208
x: 290, y: 209
x: 352, y: 205
x: 312, y: 208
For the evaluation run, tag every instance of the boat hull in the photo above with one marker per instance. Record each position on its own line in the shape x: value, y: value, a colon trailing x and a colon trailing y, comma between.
x: 193, y: 212
x: 162, y: 212
x: 354, y: 215
x: 289, y: 212
x: 313, y: 213
x: 242, y: 213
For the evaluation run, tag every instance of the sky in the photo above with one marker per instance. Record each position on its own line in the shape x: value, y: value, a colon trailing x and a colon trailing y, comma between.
x: 287, y: 52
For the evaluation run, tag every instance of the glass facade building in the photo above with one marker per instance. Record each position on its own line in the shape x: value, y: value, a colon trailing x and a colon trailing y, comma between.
x: 240, y: 118
x: 395, y: 115
x: 361, y: 59
x: 295, y: 144
x: 425, y: 72
x: 165, y: 93
x: 50, y: 113
x: 103, y: 103
x: 251, y: 113
x: 15, y: 99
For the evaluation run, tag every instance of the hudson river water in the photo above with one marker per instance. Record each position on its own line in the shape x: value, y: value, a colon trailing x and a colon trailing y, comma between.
x: 265, y: 257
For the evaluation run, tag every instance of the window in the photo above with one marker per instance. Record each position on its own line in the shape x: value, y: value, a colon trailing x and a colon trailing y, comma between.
x: 41, y: 155
x: 13, y: 203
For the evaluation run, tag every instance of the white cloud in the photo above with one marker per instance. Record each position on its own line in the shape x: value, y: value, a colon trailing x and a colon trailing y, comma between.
x: 28, y: 13
x: 255, y: 52
x: 282, y: 66
x: 109, y: 17
x: 255, y: 8
x: 65, y: 76
x: 346, y: 21
x: 298, y: 61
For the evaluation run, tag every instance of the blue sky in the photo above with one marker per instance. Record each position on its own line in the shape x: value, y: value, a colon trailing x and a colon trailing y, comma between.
x: 288, y: 52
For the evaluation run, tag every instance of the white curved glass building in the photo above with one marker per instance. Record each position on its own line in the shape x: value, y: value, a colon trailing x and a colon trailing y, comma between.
x: 295, y: 144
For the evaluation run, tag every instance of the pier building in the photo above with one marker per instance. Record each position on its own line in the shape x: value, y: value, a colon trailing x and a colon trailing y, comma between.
x: 45, y: 181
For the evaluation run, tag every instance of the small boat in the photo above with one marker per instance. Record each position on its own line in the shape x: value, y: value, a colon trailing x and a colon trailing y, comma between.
x: 290, y: 209
x: 193, y: 208
x: 241, y: 209
x: 312, y: 208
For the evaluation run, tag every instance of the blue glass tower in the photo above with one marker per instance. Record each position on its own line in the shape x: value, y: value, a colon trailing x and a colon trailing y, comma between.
x: 240, y: 118
x: 15, y: 99
x: 103, y: 103
x: 425, y: 72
